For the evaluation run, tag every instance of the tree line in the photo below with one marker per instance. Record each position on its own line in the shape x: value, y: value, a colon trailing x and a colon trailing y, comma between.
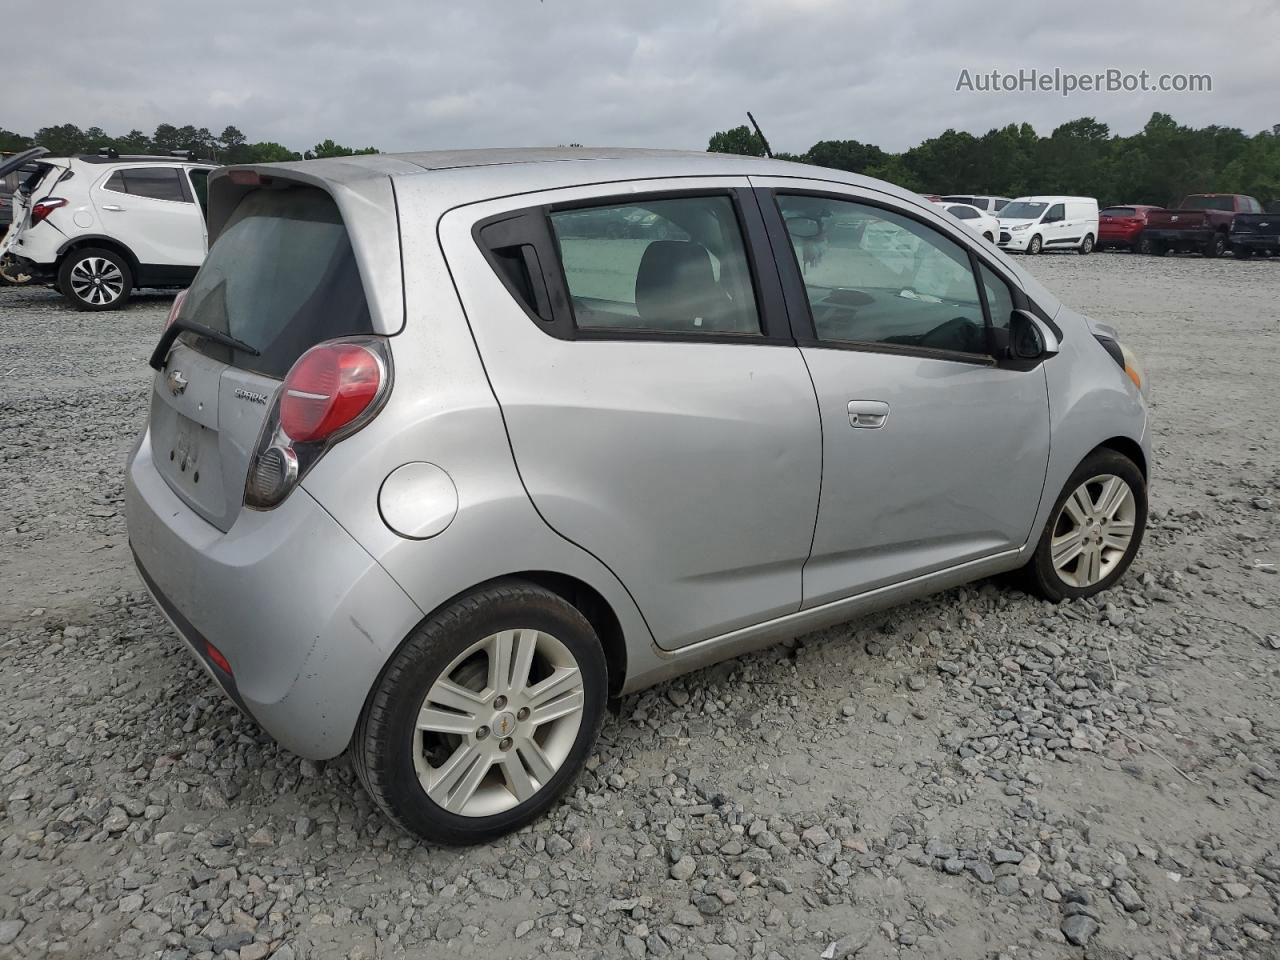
x: 1160, y: 164
x: 230, y: 146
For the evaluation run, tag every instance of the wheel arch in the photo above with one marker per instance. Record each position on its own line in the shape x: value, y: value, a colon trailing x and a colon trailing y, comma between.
x: 1126, y: 447
x: 579, y: 594
x: 98, y: 241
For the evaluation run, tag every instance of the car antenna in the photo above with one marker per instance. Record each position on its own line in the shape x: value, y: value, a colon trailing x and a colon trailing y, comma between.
x: 767, y: 152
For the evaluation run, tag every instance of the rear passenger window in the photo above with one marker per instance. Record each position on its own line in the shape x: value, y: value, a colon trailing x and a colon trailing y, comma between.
x: 157, y: 183
x: 116, y: 183
x: 676, y: 265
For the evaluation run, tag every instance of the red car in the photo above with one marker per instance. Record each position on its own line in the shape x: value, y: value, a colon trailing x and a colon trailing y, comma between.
x: 1123, y: 226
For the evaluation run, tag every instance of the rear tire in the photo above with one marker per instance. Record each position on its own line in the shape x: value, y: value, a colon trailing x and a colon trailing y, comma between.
x: 1036, y: 246
x: 1242, y: 253
x: 1086, y: 519
x: 1142, y: 246
x: 95, y: 279
x: 1086, y: 245
x: 1216, y: 247
x: 454, y: 660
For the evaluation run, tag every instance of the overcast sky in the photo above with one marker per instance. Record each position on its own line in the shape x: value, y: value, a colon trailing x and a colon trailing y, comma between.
x: 421, y: 74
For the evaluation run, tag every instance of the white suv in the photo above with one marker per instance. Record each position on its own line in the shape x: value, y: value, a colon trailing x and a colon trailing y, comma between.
x: 98, y: 227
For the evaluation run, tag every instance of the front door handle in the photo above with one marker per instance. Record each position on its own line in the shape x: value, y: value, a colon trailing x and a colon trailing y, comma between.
x: 868, y: 414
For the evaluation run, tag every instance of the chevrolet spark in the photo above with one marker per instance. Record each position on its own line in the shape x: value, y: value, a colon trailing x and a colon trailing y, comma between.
x: 447, y: 449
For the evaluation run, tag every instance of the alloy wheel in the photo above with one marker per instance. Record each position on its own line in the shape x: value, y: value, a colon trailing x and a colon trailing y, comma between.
x: 498, y: 722
x: 97, y: 281
x: 1094, y: 530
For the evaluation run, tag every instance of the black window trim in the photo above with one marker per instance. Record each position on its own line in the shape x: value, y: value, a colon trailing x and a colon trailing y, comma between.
x: 533, y: 225
x: 801, y: 314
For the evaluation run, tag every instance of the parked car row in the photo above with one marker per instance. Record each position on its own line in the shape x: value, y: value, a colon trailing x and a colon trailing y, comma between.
x: 1205, y: 223
x: 98, y: 227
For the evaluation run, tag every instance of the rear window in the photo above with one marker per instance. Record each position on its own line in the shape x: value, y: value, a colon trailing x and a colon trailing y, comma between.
x: 1209, y: 203
x: 1119, y: 212
x: 282, y: 277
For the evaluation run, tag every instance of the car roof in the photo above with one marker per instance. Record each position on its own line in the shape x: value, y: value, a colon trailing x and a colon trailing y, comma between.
x: 139, y: 158
x: 577, y: 164
x: 1053, y: 198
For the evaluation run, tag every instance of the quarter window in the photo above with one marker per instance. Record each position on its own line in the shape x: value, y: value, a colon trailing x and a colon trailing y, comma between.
x: 200, y: 186
x: 675, y: 265
x: 876, y: 277
x: 999, y: 298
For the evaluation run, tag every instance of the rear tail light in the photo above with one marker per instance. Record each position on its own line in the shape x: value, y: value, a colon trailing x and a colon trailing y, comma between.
x: 329, y: 386
x: 42, y: 208
x: 175, y: 309
x: 333, y: 390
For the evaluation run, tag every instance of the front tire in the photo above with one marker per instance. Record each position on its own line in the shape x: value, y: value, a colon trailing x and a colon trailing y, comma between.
x: 485, y: 715
x: 1086, y: 246
x: 1094, y: 530
x: 1036, y: 245
x: 95, y: 279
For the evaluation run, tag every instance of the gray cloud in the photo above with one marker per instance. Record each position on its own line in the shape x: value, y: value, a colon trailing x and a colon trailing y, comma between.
x: 405, y: 75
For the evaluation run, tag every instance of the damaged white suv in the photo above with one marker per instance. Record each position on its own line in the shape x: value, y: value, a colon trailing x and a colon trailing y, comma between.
x: 99, y: 227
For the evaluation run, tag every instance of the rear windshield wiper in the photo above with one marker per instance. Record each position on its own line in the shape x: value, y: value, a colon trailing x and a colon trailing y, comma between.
x: 160, y: 355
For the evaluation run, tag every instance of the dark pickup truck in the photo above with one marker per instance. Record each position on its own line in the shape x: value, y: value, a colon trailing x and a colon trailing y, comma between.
x: 1201, y: 222
x: 1256, y: 232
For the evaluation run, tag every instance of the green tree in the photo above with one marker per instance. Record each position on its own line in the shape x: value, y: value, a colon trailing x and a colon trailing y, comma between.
x: 330, y: 149
x: 63, y: 140
x: 135, y: 141
x: 11, y: 142
x: 740, y: 140
x: 232, y: 146
x: 847, y: 155
x: 269, y: 152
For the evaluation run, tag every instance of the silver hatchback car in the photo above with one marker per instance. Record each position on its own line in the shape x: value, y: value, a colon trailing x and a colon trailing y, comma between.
x: 447, y: 449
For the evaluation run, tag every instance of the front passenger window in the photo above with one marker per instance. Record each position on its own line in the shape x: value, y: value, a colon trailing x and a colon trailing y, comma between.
x: 877, y: 277
x: 1057, y: 213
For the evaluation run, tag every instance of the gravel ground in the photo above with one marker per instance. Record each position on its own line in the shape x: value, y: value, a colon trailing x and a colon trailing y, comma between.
x: 979, y: 775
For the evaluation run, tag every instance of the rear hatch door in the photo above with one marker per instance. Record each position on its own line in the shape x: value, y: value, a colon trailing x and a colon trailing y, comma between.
x: 281, y: 277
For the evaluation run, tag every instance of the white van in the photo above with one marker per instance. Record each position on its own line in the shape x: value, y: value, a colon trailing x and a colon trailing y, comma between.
x: 1036, y: 224
x: 991, y: 205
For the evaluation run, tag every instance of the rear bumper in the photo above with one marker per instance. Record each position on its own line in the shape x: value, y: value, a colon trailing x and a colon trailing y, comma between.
x: 1256, y: 241
x: 304, y: 616
x: 1181, y: 238
x: 1118, y: 238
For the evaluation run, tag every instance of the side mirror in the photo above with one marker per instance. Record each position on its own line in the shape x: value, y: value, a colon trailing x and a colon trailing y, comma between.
x: 1029, y: 339
x: 803, y: 228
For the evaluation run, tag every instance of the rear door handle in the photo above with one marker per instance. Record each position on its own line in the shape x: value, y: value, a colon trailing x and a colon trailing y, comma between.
x: 868, y: 414
x: 113, y: 208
